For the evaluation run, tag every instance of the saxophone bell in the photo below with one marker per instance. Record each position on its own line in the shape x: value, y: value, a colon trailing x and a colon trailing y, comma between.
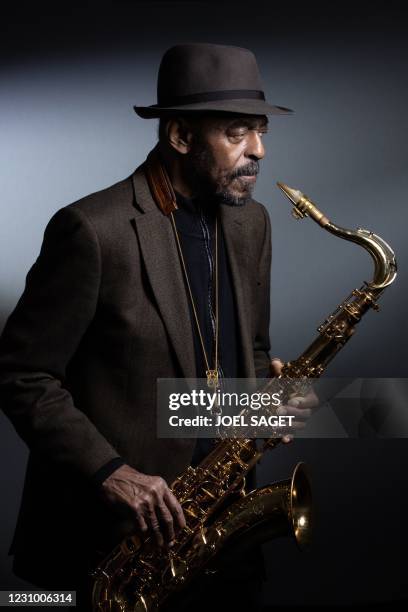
x: 280, y: 509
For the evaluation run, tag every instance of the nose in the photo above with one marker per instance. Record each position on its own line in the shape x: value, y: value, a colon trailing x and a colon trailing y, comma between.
x: 255, y: 146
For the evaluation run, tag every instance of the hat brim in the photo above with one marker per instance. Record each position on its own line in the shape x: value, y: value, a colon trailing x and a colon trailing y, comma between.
x: 238, y: 106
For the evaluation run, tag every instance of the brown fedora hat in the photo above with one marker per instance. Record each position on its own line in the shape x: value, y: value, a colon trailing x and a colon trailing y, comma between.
x: 205, y: 77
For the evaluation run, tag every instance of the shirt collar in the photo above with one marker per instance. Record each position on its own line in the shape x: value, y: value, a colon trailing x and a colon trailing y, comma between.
x: 191, y: 205
x: 195, y: 205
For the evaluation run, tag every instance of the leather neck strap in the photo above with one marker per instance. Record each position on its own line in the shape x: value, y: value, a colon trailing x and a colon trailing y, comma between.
x: 159, y: 183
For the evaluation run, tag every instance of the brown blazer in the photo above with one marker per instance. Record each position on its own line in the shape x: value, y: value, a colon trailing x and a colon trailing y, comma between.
x: 104, y: 314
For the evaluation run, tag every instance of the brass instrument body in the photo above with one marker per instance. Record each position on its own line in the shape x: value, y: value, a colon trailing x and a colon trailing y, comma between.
x: 136, y: 576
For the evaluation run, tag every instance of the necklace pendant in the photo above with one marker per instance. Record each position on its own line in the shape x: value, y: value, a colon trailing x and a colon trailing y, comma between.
x: 212, y: 378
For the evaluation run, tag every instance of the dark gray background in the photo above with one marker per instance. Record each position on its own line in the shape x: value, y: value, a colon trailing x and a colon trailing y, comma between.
x: 69, y: 78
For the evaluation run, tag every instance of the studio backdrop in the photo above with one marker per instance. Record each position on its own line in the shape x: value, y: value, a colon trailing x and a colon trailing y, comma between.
x: 69, y: 80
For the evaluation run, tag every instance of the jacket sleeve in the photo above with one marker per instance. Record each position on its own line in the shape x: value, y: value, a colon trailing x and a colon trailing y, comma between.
x: 40, y: 337
x: 262, y: 344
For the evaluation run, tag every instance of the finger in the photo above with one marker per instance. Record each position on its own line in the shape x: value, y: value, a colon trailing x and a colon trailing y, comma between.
x: 155, y: 527
x: 276, y: 366
x: 166, y: 521
x: 175, y: 508
x: 287, y: 438
x: 299, y: 413
x: 308, y: 401
x: 142, y: 523
x: 298, y: 425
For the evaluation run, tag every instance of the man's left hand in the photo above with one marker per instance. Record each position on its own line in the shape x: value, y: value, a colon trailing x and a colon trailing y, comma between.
x: 301, y: 407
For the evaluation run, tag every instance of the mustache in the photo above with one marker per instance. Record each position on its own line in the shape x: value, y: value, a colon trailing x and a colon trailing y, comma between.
x: 250, y: 169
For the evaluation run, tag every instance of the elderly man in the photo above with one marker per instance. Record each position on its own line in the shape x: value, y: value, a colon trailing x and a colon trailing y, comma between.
x: 122, y: 294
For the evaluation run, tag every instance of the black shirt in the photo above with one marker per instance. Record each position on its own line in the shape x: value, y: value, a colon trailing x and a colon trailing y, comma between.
x: 195, y: 222
x: 196, y: 228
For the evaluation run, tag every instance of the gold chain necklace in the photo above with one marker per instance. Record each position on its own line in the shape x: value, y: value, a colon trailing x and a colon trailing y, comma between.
x: 212, y: 374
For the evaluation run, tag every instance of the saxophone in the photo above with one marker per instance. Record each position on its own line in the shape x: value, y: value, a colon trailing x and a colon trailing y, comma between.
x: 219, y: 513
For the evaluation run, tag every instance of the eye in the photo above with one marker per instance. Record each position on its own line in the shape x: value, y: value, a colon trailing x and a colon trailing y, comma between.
x: 237, y: 133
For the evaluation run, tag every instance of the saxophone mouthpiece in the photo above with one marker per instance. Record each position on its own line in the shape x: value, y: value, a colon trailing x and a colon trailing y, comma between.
x: 294, y: 195
x: 303, y: 206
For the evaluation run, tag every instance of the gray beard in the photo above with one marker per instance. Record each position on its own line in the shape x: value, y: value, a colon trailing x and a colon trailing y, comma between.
x: 224, y: 197
x: 198, y: 174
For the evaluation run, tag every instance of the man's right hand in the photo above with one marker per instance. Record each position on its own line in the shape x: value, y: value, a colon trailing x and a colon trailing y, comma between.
x: 150, y: 501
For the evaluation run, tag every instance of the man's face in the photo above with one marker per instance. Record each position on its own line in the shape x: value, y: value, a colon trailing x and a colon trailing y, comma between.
x: 223, y: 161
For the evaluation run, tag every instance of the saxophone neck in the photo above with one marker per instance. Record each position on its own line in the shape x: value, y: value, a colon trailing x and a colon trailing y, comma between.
x: 385, y: 265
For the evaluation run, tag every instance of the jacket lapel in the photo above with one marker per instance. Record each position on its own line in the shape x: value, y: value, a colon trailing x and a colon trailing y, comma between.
x: 234, y: 224
x: 160, y: 256
x: 159, y: 250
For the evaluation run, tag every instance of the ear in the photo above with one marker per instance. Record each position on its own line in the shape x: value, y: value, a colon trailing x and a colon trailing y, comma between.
x: 179, y: 135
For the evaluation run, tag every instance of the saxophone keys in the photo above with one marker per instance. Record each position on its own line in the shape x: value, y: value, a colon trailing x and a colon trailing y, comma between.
x: 202, y: 535
x: 208, y: 492
x: 177, y: 567
x: 220, y: 531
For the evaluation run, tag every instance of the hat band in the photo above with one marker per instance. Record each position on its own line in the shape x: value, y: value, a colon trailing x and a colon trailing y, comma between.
x: 211, y: 96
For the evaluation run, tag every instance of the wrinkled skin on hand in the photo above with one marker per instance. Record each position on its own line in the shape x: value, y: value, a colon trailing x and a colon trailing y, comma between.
x: 149, y: 500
